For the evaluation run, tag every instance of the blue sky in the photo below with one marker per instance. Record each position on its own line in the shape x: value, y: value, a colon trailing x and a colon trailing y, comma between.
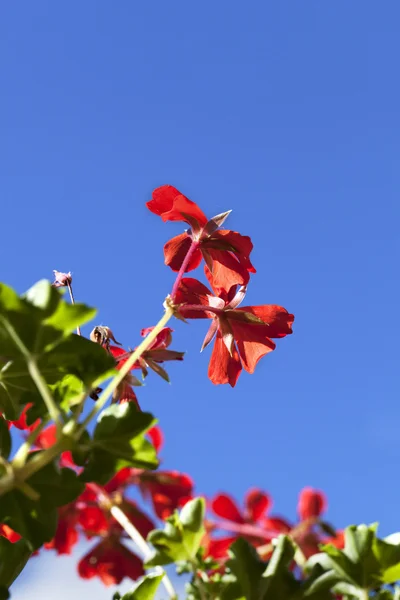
x: 288, y: 114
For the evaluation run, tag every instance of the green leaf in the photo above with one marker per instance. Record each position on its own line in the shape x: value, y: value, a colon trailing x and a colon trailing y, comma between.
x: 278, y: 581
x: 119, y: 441
x: 5, y: 439
x: 36, y: 520
x: 145, y: 589
x: 13, y: 558
x: 248, y: 568
x: 180, y: 539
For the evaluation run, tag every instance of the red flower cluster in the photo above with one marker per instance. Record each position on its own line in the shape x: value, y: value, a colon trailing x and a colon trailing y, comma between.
x: 242, y: 335
x: 259, y: 527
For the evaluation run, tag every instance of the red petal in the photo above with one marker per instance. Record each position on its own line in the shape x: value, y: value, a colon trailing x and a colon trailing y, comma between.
x: 277, y: 524
x: 241, y: 245
x: 224, y: 506
x: 9, y: 533
x: 175, y: 251
x: 47, y: 438
x: 171, y: 205
x: 226, y: 271
x: 119, y: 481
x: 157, y: 437
x: 252, y: 343
x: 111, y: 562
x: 278, y: 319
x: 219, y: 548
x: 257, y: 503
x: 312, y: 503
x: 93, y: 521
x: 163, y: 339
x: 223, y: 368
x: 192, y: 291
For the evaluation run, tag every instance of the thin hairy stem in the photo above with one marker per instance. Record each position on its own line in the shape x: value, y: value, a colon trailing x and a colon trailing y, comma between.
x: 132, y: 532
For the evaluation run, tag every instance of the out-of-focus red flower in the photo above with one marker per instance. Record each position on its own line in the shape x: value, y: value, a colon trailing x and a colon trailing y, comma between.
x: 92, y: 520
x: 242, y: 335
x: 137, y: 517
x: 155, y: 354
x: 111, y: 561
x: 312, y: 503
x: 9, y: 533
x: 67, y: 534
x: 168, y: 490
x: 120, y: 480
x: 337, y: 540
x: 227, y: 253
x: 256, y: 504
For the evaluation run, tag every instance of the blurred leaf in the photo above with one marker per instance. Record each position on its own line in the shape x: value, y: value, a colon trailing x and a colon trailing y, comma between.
x: 119, y: 441
x: 180, y: 539
x: 36, y: 520
x: 5, y: 439
x: 13, y: 558
x: 145, y: 589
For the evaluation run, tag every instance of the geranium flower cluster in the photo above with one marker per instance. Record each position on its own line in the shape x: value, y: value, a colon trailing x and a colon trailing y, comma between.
x: 158, y: 494
x: 242, y: 335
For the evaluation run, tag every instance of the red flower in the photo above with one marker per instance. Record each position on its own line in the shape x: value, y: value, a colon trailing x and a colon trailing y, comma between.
x: 312, y: 503
x: 93, y: 520
x: 168, y: 490
x: 256, y: 504
x: 242, y: 335
x: 66, y: 535
x: 225, y: 252
x: 111, y: 561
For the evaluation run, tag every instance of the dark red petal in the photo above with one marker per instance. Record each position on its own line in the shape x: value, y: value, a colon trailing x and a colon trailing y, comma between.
x: 93, y: 521
x: 252, y: 343
x: 278, y: 319
x: 65, y: 539
x: 137, y: 517
x: 219, y: 548
x: 223, y: 368
x: 312, y: 503
x: 171, y: 205
x: 192, y: 291
x: 47, y: 437
x: 119, y: 481
x: 257, y: 503
x: 111, y: 562
x: 175, y: 251
x: 226, y: 271
x: 157, y: 437
x: 241, y: 245
x: 163, y: 339
x: 224, y: 506
x: 277, y: 524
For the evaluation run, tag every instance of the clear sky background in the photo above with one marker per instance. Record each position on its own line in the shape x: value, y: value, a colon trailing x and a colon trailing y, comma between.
x: 288, y: 114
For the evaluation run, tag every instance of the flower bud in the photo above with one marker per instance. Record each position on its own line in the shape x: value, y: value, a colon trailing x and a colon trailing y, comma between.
x: 102, y: 335
x: 62, y: 279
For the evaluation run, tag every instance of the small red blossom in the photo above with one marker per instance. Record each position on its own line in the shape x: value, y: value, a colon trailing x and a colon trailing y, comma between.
x: 111, y: 561
x: 242, y: 335
x: 312, y: 503
x: 225, y: 252
x: 256, y: 504
x: 62, y: 279
x: 157, y: 437
x: 168, y: 490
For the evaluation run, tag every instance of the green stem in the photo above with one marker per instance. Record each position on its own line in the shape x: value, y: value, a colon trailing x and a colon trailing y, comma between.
x: 43, y: 388
x: 126, y: 367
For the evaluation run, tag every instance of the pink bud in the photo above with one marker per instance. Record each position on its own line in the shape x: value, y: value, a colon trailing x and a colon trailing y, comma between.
x: 62, y: 279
